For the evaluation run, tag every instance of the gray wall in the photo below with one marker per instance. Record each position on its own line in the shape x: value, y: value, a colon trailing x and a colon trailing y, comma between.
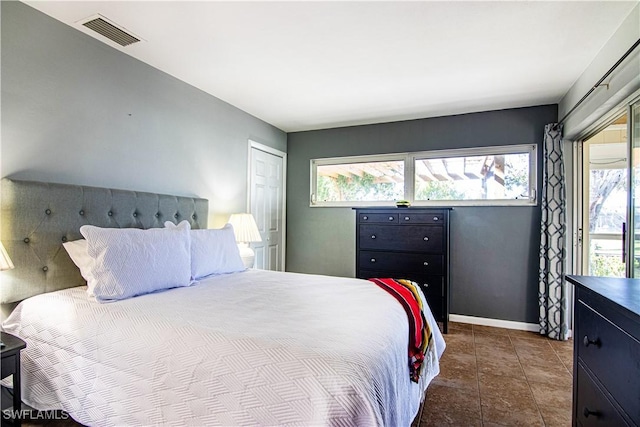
x: 75, y: 110
x: 494, y: 250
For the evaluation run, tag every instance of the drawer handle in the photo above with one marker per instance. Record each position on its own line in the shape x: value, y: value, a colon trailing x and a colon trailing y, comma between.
x: 425, y: 238
x: 406, y: 218
x: 426, y: 285
x: 390, y: 218
x: 373, y: 260
x: 425, y: 263
x: 586, y: 412
x: 365, y: 217
x: 586, y: 341
x: 435, y: 218
x: 373, y: 236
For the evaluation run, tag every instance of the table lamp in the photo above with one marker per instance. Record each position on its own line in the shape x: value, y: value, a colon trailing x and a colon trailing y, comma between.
x: 246, y: 231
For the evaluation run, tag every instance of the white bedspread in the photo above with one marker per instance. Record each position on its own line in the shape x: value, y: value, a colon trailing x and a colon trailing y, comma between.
x: 250, y: 348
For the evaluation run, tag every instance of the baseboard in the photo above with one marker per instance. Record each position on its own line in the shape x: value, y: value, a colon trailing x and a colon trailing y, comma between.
x: 496, y: 323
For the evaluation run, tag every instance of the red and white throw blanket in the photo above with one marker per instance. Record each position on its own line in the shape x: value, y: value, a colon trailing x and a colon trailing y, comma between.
x: 406, y: 292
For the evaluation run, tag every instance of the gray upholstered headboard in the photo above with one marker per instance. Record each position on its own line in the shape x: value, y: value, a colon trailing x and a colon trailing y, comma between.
x: 38, y: 217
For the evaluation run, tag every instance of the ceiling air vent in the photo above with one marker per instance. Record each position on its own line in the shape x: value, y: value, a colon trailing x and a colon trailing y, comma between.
x: 102, y: 26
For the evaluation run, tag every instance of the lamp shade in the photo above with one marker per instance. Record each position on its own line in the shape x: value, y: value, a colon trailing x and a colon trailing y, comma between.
x: 5, y: 261
x: 245, y: 228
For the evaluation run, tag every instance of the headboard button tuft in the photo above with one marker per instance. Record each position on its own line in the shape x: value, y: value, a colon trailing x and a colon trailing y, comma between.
x: 158, y: 215
x: 64, y: 238
x: 176, y: 216
x: 135, y: 214
x: 45, y: 268
x: 193, y: 216
x: 26, y: 240
x: 48, y: 211
x: 110, y: 213
x: 81, y: 213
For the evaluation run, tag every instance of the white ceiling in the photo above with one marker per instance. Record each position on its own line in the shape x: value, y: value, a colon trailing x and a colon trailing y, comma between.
x: 312, y: 65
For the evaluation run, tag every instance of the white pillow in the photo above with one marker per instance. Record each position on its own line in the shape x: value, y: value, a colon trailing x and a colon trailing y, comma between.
x: 131, y: 261
x: 213, y: 251
x: 77, y: 250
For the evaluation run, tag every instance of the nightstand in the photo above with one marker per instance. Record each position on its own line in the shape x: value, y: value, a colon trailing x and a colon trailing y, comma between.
x: 11, y: 366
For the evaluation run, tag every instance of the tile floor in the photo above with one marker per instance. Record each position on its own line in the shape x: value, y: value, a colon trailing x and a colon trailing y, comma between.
x: 500, y: 377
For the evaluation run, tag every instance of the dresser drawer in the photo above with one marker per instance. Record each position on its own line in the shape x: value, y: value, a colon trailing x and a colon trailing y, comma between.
x: 592, y: 406
x: 410, y: 218
x: 425, y: 238
x: 435, y: 300
x: 612, y: 355
x: 430, y: 285
x: 377, y: 218
x: 403, y: 263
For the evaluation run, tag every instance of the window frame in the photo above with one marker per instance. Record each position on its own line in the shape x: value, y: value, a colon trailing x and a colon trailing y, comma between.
x: 348, y: 160
x: 410, y: 158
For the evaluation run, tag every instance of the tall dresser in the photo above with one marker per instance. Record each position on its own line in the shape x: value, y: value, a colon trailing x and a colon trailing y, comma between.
x: 606, y: 364
x: 407, y: 243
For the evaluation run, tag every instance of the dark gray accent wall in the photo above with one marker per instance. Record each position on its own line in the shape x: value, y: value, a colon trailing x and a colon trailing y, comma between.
x: 77, y: 111
x: 494, y: 250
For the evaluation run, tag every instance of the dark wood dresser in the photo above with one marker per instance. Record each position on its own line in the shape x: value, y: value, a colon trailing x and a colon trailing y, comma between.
x: 606, y: 364
x: 407, y: 243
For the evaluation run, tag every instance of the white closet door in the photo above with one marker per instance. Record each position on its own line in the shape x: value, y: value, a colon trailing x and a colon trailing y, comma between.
x: 267, y: 189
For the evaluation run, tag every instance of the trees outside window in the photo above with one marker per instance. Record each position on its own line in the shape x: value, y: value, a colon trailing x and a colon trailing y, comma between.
x: 474, y: 176
x: 607, y: 213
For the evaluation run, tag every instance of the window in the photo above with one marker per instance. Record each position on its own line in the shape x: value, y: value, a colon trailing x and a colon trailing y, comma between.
x: 474, y: 176
x: 480, y: 175
x: 359, y: 181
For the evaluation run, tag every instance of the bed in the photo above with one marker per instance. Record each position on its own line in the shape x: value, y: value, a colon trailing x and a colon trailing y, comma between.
x: 242, y: 348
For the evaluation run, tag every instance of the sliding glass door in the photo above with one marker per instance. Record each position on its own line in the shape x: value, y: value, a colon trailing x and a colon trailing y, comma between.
x: 609, y: 199
x: 633, y: 248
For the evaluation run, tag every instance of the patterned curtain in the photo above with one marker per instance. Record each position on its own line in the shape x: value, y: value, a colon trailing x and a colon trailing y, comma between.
x: 552, y: 293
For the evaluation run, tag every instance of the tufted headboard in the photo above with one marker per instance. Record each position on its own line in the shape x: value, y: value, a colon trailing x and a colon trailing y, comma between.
x: 38, y: 217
